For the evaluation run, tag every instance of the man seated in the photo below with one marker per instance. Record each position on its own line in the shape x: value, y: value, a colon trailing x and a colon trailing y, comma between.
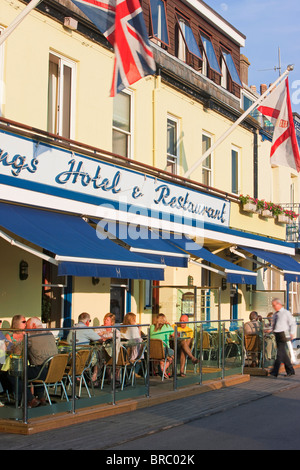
x: 84, y: 335
x: 253, y: 328
x: 41, y: 346
x: 185, y: 341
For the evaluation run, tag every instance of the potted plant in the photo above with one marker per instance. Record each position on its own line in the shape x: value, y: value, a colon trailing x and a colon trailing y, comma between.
x: 260, y: 205
x: 267, y: 210
x: 248, y: 203
x: 283, y: 219
x: 291, y: 216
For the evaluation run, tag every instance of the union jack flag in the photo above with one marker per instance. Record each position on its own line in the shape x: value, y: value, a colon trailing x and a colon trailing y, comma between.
x: 122, y: 23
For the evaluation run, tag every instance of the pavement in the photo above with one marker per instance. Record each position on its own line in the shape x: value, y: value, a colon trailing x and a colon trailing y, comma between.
x: 109, y: 432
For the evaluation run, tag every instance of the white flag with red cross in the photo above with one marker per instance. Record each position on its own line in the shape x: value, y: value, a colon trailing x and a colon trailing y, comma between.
x: 278, y: 110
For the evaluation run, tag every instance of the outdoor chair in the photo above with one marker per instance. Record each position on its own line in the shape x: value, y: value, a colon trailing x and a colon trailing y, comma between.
x: 82, y: 359
x: 157, y: 353
x: 56, y: 370
x: 139, y: 360
x: 207, y: 346
x: 253, y: 348
x: 122, y: 365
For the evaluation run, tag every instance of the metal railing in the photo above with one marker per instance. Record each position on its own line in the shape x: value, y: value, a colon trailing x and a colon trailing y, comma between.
x: 214, y: 363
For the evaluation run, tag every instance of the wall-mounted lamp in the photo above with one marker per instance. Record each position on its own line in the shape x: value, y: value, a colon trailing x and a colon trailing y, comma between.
x: 95, y: 280
x: 224, y: 283
x: 23, y: 271
x: 190, y: 281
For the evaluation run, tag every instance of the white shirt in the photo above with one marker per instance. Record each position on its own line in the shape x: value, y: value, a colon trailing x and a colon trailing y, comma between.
x: 283, y: 320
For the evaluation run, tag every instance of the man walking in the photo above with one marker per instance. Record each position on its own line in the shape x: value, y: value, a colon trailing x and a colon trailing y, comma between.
x: 283, y: 323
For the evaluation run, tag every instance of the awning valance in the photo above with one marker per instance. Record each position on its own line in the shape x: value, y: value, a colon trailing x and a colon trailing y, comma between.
x: 234, y: 274
x: 145, y: 242
x: 74, y: 243
x: 289, y: 266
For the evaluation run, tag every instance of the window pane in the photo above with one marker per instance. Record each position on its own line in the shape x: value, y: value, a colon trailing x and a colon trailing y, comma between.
x: 66, y: 111
x: 172, y: 138
x: 159, y: 20
x: 232, y: 68
x: 189, y: 37
x: 206, y: 165
x: 172, y: 165
x: 210, y: 52
x: 52, y: 96
x: 120, y: 143
x: 121, y: 117
x: 234, y: 171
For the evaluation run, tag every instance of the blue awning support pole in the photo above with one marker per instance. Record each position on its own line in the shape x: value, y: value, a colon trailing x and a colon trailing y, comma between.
x: 128, y: 296
x: 67, y: 313
x: 287, y: 295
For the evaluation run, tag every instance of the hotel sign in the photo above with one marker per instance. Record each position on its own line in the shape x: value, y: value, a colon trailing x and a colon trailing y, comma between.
x: 35, y: 166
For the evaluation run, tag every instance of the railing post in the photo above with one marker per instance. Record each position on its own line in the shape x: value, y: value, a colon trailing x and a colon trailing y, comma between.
x: 25, y: 379
x: 114, y: 366
x: 148, y: 363
x: 223, y: 350
x: 73, y: 371
x: 201, y: 354
x: 175, y: 358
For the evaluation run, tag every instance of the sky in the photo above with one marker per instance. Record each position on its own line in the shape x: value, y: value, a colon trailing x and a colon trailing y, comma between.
x: 268, y: 25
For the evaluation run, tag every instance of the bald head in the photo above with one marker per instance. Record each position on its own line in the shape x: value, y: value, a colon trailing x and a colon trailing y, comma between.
x: 34, y: 323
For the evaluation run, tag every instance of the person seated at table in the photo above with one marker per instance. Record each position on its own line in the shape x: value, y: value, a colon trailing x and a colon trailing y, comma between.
x: 106, y: 335
x: 185, y: 341
x: 270, y: 341
x: 84, y: 335
x: 18, y: 323
x: 14, y: 346
x: 132, y: 334
x: 161, y: 329
x: 41, y: 346
x: 4, y: 381
x: 253, y: 328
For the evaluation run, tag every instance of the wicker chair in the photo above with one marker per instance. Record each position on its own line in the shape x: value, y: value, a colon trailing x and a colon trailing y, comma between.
x: 56, y: 370
x: 253, y: 348
x: 122, y: 364
x: 82, y: 359
x: 157, y: 353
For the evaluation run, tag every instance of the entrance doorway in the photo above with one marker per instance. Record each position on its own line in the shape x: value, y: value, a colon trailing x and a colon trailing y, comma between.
x: 118, y: 295
x: 53, y: 288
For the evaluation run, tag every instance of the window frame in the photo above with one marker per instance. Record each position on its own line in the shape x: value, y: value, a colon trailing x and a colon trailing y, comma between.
x: 236, y: 149
x: 129, y: 134
x: 210, y: 170
x: 174, y: 159
x: 209, y: 67
x: 179, y: 16
x: 167, y: 25
x: 2, y: 86
x: 63, y: 61
x: 240, y: 85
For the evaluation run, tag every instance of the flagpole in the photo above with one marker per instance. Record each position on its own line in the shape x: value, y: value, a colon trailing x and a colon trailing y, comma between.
x: 4, y: 35
x: 237, y: 123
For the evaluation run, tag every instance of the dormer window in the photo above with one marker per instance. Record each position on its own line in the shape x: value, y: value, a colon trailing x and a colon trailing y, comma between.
x: 186, y: 40
x: 210, y: 55
x: 227, y: 57
x: 159, y: 23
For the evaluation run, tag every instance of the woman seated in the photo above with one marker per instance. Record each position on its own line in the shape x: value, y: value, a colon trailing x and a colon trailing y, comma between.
x: 161, y: 329
x: 132, y: 334
x: 18, y: 324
